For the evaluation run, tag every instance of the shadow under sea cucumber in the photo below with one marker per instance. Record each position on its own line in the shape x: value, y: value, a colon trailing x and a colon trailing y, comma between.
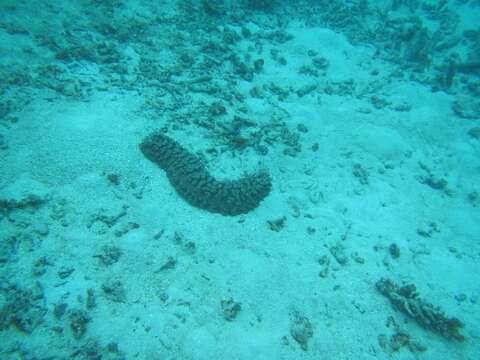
x: 193, y: 182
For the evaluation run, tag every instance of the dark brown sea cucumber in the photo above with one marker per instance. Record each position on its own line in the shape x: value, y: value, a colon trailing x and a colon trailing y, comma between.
x: 193, y: 182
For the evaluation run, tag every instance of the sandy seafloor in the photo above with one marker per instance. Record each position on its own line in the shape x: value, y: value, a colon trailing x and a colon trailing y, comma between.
x: 89, y: 223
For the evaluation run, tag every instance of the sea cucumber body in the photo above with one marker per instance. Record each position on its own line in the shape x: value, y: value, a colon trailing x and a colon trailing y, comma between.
x: 193, y: 182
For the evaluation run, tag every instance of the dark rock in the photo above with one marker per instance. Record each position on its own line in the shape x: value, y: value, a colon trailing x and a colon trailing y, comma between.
x: 394, y: 251
x: 230, y: 309
x: 40, y: 266
x: 301, y: 330
x: 258, y: 65
x: 278, y: 224
x: 3, y: 143
x: 474, y: 132
x: 113, y: 179
x: 320, y: 63
x: 302, y: 128
x: 406, y: 300
x: 114, y: 291
x: 361, y: 174
x: 169, y: 264
x: 23, y: 308
x: 217, y: 109
x: 59, y: 310
x: 306, y: 89
x: 79, y: 320
x: 474, y: 198
x: 91, y: 302
x: 435, y: 183
x: 110, y: 255
x: 466, y: 108
x: 126, y: 228
x: 65, y: 272
x: 338, y: 252
x: 262, y: 5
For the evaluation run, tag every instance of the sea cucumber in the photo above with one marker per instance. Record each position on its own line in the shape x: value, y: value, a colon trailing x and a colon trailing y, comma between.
x: 193, y: 182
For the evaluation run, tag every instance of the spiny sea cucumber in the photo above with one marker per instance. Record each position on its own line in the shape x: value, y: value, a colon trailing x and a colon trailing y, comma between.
x: 193, y: 182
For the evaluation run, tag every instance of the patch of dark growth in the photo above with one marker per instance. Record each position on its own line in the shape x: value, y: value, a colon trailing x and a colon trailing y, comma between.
x: 406, y: 300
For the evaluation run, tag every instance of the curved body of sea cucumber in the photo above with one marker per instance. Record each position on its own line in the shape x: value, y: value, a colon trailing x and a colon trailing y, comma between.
x: 193, y: 182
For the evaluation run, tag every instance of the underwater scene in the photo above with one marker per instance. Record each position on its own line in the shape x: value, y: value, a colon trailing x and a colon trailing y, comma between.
x: 241, y: 180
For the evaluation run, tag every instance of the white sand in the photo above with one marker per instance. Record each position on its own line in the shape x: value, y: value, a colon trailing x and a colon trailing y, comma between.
x: 67, y: 147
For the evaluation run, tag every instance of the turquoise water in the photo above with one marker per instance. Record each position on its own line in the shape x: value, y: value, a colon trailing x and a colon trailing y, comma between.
x: 239, y: 179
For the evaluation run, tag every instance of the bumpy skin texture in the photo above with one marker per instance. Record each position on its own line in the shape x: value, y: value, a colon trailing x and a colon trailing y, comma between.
x: 194, y: 183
